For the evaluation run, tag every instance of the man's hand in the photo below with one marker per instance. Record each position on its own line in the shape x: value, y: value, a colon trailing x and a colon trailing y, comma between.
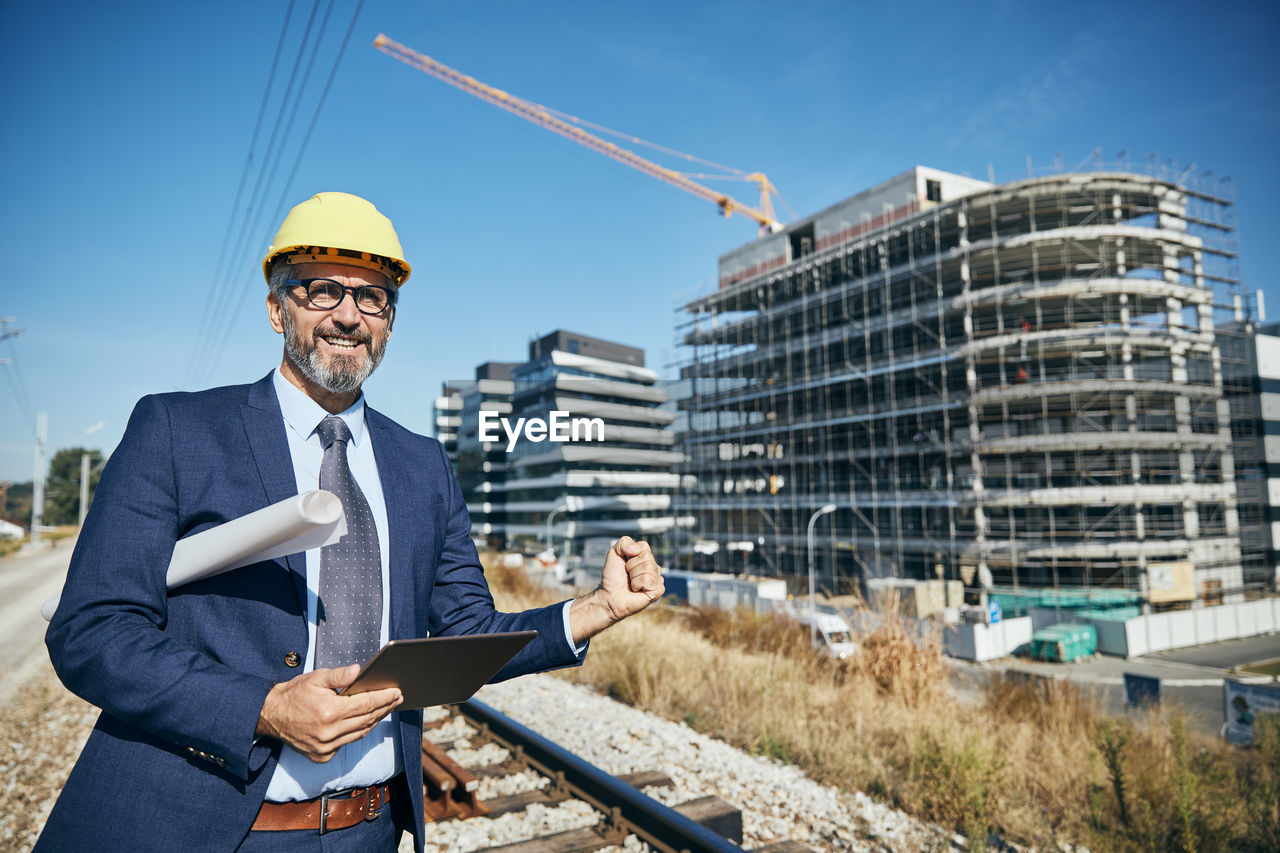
x: 307, y: 714
x: 631, y: 581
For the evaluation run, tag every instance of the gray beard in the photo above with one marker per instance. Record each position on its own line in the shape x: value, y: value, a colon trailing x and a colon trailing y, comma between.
x: 343, y: 378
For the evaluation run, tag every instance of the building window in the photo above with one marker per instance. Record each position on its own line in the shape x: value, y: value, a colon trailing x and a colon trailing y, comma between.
x: 933, y: 190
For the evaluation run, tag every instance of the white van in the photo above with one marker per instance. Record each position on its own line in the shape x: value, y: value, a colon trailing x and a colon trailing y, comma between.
x: 834, y: 636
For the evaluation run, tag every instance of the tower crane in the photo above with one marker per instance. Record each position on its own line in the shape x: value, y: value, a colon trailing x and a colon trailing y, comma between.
x: 551, y: 120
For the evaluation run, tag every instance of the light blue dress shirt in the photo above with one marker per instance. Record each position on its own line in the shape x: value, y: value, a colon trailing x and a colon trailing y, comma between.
x: 375, y: 757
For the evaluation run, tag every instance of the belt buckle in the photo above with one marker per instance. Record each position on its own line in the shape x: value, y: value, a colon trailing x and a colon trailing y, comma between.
x: 370, y: 813
x: 324, y: 812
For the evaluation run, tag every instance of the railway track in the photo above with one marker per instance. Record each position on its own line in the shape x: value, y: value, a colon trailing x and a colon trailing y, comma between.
x: 508, y: 768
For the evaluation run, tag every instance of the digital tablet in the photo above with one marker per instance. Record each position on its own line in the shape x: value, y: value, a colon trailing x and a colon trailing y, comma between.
x: 439, y: 670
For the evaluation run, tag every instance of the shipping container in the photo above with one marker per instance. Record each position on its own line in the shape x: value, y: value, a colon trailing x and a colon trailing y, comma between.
x: 1064, y: 642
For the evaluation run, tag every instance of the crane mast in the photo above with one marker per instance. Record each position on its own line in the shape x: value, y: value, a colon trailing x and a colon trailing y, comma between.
x: 542, y: 116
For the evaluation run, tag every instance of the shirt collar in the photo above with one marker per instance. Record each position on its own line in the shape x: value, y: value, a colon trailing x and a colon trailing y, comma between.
x: 303, y: 414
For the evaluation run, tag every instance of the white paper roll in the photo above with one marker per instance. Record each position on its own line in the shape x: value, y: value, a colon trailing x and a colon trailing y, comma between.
x: 309, y: 520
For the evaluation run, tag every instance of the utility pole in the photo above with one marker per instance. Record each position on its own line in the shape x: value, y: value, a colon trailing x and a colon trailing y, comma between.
x: 6, y: 331
x: 84, y: 487
x: 84, y: 474
x: 37, y: 491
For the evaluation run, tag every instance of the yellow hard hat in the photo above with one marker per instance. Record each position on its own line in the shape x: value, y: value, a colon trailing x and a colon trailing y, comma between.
x: 341, y: 228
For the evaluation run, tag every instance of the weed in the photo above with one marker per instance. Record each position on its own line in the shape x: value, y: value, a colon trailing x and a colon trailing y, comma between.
x: 1261, y: 782
x: 956, y: 782
x: 1184, y: 785
x: 773, y: 747
x: 769, y: 633
x: 1112, y: 738
x: 699, y: 721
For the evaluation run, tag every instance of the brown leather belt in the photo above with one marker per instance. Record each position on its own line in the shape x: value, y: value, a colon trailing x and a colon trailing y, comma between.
x: 335, y: 810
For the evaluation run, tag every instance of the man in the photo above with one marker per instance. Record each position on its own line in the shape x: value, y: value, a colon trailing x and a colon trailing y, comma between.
x: 222, y: 727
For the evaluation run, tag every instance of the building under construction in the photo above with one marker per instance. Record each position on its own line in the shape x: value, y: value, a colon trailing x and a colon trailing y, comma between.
x: 1013, y: 384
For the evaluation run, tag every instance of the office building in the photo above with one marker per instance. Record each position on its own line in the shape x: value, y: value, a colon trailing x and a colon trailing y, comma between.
x: 601, y: 465
x: 1251, y: 357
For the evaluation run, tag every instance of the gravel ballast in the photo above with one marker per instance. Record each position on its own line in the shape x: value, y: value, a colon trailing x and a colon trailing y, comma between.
x: 778, y: 802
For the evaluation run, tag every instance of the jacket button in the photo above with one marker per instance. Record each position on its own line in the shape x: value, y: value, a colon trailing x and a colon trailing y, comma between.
x: 292, y: 659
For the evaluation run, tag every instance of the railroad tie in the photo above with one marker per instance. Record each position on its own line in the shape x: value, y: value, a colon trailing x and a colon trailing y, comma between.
x: 608, y: 833
x: 722, y: 818
x: 555, y: 793
x: 648, y: 779
x: 449, y: 789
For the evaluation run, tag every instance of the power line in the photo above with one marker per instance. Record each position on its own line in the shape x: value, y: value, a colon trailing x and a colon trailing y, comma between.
x: 226, y: 320
x: 14, y: 375
x: 315, y: 116
x: 206, y: 316
x: 306, y: 139
x: 241, y: 241
x: 226, y: 290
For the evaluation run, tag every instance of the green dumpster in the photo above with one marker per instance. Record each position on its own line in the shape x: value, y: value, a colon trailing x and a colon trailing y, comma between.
x: 1064, y: 642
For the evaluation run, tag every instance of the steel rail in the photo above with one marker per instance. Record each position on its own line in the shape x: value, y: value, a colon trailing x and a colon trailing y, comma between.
x: 658, y: 825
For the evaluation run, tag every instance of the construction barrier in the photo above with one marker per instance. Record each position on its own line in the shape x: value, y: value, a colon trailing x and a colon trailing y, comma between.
x: 980, y: 642
x: 1157, y: 632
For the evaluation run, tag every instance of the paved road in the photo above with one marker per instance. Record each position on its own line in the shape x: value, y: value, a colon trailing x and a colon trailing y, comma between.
x: 26, y: 580
x: 1196, y: 688
x: 1227, y: 654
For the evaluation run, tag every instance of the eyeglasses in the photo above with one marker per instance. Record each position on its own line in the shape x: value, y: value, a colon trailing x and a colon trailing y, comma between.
x: 326, y: 294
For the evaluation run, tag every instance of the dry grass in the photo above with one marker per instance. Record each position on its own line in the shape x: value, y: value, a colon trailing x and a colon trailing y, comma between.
x: 1035, y: 763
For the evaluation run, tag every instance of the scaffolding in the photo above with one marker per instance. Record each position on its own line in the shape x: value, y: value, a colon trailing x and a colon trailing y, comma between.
x: 1016, y: 384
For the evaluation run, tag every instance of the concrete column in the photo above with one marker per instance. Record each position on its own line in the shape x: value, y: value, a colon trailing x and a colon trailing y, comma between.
x: 1190, y: 519
x: 980, y: 524
x: 1204, y: 318
x: 1182, y: 416
x: 1171, y: 270
x: 1186, y: 463
x: 1227, y: 462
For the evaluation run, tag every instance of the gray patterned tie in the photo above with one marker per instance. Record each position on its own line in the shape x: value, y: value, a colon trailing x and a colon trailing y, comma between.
x: 349, y: 610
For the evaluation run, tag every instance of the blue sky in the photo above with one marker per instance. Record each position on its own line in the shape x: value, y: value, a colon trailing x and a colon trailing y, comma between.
x: 127, y: 127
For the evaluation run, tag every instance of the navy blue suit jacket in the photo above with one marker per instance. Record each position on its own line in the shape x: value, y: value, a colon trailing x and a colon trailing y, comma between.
x: 172, y: 763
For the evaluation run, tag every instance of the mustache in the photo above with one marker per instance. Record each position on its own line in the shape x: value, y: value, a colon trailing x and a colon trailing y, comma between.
x: 358, y: 335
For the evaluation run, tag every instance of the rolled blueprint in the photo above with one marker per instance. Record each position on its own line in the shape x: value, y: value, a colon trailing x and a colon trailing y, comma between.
x: 309, y: 520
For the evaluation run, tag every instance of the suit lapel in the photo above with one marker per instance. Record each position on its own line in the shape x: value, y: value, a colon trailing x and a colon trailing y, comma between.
x: 264, y: 425
x: 399, y: 522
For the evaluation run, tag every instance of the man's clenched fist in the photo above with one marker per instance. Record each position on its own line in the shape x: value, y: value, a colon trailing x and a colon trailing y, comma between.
x: 630, y: 582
